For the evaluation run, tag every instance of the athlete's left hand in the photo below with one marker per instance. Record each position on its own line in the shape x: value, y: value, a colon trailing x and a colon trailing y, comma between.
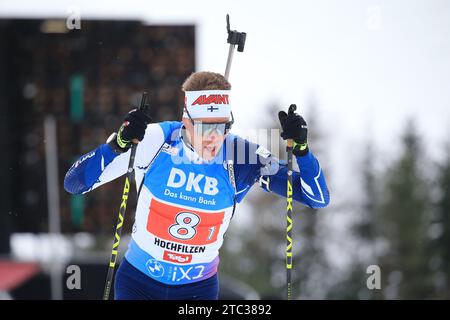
x: 295, y: 128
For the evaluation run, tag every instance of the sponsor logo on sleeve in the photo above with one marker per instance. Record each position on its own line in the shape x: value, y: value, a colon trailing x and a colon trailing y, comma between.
x: 84, y: 158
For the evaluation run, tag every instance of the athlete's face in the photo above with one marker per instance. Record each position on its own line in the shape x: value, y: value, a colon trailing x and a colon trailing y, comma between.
x: 205, y: 139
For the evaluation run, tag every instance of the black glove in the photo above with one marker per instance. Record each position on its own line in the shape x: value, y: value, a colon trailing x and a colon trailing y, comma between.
x: 295, y: 128
x: 133, y: 127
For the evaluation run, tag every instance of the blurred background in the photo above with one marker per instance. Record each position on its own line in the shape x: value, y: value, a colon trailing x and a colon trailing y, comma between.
x: 371, y: 78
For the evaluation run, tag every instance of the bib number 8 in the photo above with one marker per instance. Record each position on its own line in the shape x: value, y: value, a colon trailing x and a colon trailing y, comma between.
x: 184, y: 228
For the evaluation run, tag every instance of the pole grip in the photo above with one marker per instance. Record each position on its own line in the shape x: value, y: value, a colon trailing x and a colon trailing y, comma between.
x: 290, y: 143
x: 143, y: 107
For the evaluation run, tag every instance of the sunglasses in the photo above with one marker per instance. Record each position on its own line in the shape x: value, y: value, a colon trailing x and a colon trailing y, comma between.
x: 206, y: 128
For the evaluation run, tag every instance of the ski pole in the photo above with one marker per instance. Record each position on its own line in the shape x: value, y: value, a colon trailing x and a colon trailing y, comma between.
x: 234, y: 38
x: 289, y: 147
x: 122, y: 209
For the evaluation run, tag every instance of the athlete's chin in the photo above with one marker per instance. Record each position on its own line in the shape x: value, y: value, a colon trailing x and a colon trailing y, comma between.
x: 209, y: 153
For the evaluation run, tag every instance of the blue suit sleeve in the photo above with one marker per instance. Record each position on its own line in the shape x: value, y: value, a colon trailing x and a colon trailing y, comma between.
x: 86, y: 171
x: 103, y: 164
x: 253, y: 163
x: 246, y: 164
x: 309, y: 185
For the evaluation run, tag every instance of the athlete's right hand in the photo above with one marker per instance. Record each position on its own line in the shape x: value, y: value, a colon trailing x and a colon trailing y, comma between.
x: 132, y: 130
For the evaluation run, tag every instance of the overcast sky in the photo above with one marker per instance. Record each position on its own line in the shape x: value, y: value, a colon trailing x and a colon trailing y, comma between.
x: 370, y: 64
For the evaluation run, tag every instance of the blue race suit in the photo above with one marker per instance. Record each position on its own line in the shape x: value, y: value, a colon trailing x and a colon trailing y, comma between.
x: 185, y: 203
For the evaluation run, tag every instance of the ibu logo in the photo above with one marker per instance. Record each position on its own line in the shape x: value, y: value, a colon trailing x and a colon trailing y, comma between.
x: 192, y: 182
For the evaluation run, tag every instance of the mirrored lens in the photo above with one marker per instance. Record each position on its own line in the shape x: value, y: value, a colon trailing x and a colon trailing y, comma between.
x: 206, y: 129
